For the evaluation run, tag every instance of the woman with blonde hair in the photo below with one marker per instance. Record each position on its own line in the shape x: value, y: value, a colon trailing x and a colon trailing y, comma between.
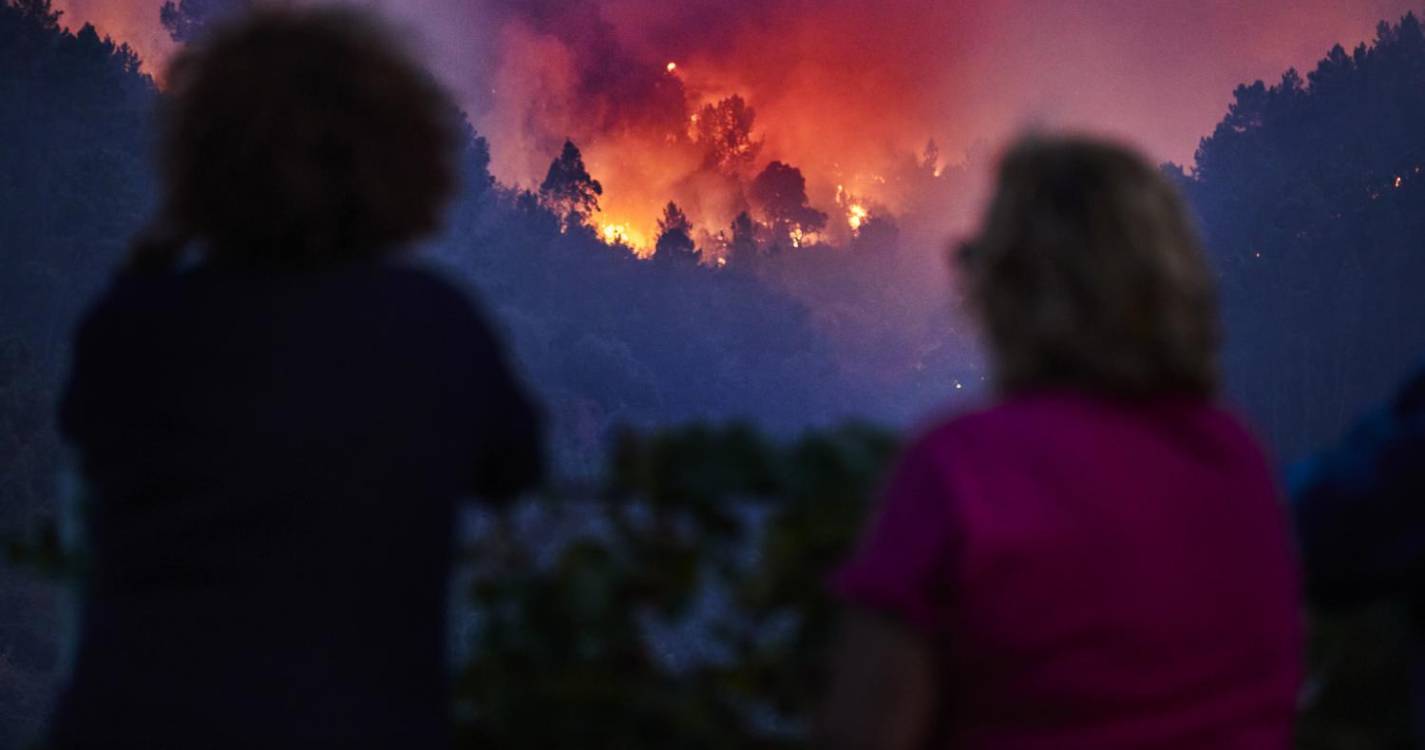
x: 1100, y: 559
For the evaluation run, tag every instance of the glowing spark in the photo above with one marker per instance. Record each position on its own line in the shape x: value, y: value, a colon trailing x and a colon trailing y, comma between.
x: 797, y: 236
x: 856, y: 215
x: 721, y: 261
x: 1397, y: 182
x: 672, y: 66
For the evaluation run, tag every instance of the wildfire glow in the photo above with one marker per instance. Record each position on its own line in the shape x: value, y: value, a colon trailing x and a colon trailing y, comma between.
x: 856, y: 216
x: 845, y: 92
x: 625, y: 234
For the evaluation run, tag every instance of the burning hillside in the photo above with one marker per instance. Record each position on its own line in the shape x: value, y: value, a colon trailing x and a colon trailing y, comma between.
x: 775, y: 110
x: 693, y: 101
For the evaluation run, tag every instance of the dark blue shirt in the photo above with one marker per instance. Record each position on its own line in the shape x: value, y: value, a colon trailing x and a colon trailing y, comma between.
x: 274, y: 461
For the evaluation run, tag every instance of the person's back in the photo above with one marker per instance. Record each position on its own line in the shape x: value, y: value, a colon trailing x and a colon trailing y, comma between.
x: 1114, y: 575
x: 274, y: 438
x: 1101, y: 558
x: 273, y: 461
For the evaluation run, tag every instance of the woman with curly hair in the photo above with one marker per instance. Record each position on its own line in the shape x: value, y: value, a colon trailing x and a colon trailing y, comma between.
x: 1100, y: 559
x: 276, y: 413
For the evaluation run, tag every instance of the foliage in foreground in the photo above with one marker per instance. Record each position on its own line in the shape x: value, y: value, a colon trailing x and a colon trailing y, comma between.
x: 685, y: 610
x: 682, y: 604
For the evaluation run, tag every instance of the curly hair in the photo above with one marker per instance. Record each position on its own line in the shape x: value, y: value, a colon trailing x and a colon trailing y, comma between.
x: 1088, y: 274
x: 300, y: 137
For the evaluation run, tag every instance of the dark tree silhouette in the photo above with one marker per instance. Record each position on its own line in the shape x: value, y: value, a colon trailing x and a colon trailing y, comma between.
x: 568, y: 189
x: 780, y: 191
x: 1312, y: 198
x: 74, y: 184
x: 724, y: 131
x: 38, y: 12
x: 878, y: 235
x: 742, y: 249
x: 675, y: 237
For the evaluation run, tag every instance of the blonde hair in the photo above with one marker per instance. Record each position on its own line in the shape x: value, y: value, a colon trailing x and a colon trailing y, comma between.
x: 1088, y: 274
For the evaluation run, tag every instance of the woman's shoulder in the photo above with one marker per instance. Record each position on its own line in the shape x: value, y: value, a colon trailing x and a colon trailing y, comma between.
x: 1004, y: 416
x: 1021, y: 420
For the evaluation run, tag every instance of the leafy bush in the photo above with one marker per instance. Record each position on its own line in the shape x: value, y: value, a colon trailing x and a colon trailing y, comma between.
x: 712, y: 541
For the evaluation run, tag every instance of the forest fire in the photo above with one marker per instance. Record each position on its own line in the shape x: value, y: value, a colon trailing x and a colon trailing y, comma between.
x: 623, y: 234
x: 692, y: 101
x: 761, y: 112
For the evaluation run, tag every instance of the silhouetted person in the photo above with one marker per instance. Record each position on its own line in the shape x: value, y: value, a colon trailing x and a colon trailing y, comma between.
x: 276, y: 415
x: 1360, y: 513
x: 1101, y: 558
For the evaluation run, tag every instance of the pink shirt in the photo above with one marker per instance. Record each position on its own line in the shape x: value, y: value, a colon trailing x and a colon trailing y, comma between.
x: 1098, y: 575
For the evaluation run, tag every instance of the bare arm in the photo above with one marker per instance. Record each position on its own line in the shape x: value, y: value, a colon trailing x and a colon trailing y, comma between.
x: 883, y: 693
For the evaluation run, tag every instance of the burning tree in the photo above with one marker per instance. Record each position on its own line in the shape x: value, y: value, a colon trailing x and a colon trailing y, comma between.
x: 724, y: 131
x: 781, y: 193
x: 568, y: 189
x: 675, y: 236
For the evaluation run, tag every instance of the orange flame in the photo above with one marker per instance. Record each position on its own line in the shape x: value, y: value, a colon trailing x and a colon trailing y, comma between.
x: 856, y: 215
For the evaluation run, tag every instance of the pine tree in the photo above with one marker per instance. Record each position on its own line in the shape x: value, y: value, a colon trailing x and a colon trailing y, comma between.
x: 675, y: 237
x: 568, y: 188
